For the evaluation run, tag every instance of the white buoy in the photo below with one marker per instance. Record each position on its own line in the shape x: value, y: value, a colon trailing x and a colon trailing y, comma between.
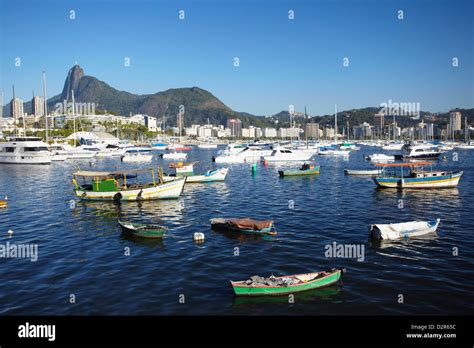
x: 198, y: 237
x: 10, y: 233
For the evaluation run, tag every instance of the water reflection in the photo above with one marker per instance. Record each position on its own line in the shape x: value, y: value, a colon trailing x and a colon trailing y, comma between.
x: 156, y: 243
x: 325, y: 294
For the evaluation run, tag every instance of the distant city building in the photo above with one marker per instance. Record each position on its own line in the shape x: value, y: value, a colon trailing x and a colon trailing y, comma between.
x: 455, y: 121
x: 362, y: 131
x: 38, y: 106
x: 150, y: 123
x: 269, y: 133
x: 289, y: 132
x: 246, y: 133
x: 205, y: 131
x: 235, y: 126
x: 16, y: 108
x: 379, y: 124
x: 379, y: 120
x: 144, y: 120
x: 312, y: 130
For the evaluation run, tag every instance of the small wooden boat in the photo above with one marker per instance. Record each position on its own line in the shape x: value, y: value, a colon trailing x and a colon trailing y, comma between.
x: 362, y: 171
x: 417, y: 178
x: 117, y: 186
x: 244, y: 225
x: 142, y: 230
x: 3, y: 203
x: 306, y: 169
x: 275, y: 286
x: 403, y: 230
x: 212, y: 175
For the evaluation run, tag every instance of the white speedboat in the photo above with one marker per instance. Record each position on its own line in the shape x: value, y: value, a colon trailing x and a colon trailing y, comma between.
x: 78, y: 152
x: 137, y: 154
x: 174, y: 155
x: 25, y: 150
x: 236, y: 153
x: 334, y: 151
x: 392, y: 146
x: 58, y: 153
x: 379, y: 157
x: 286, y: 155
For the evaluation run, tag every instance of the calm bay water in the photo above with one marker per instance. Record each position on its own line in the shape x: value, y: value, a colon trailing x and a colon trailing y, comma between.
x: 82, y: 251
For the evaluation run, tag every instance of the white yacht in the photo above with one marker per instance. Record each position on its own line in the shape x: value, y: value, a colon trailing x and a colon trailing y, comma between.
x: 238, y: 153
x: 78, y: 152
x: 58, y: 153
x: 285, y: 155
x: 25, y: 150
x: 137, y: 154
x: 393, y: 146
x: 418, y: 151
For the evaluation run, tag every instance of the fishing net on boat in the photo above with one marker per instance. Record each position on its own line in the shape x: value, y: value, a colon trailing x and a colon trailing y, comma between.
x: 270, y: 281
x: 249, y: 224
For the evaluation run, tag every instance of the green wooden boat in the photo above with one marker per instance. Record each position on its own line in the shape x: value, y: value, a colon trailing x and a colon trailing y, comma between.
x: 286, y: 284
x: 142, y: 230
x: 304, y: 170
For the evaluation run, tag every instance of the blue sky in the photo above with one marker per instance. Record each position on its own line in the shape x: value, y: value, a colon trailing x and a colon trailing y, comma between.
x: 282, y: 61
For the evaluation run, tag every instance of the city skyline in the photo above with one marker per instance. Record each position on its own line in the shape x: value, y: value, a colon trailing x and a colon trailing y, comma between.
x: 296, y: 61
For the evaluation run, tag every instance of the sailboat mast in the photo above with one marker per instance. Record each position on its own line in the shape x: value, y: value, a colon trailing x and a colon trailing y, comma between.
x: 13, y: 112
x: 306, y: 126
x: 335, y: 123
x: 74, y: 117
x: 45, y: 107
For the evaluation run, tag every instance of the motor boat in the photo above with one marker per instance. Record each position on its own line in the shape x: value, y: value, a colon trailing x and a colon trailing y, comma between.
x: 238, y: 153
x: 25, y: 150
x: 137, y: 154
x: 418, y: 151
x: 286, y: 155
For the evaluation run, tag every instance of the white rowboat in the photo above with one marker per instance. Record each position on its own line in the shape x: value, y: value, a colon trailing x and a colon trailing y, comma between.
x: 403, y: 230
x: 362, y: 171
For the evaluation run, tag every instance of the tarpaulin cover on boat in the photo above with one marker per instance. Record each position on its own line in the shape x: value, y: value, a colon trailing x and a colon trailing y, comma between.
x: 250, y: 224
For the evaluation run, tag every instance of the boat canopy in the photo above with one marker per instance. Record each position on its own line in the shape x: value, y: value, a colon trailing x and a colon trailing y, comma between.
x: 413, y: 164
x: 91, y: 174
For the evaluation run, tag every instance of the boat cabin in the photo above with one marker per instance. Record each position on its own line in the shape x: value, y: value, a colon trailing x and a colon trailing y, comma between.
x: 115, y: 181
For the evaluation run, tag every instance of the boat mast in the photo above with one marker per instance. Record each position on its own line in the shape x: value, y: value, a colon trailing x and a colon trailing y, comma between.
x: 465, y: 129
x: 306, y: 126
x: 14, y: 113
x: 335, y: 123
x: 74, y: 117
x: 45, y: 107
x: 291, y: 129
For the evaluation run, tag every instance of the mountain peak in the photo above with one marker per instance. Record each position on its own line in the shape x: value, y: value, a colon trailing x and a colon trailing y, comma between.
x: 72, y: 81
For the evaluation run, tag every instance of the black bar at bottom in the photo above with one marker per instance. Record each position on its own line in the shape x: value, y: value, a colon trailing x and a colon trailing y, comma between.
x: 416, y: 330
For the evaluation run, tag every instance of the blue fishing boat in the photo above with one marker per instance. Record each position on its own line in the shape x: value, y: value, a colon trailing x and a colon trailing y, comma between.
x: 417, y: 177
